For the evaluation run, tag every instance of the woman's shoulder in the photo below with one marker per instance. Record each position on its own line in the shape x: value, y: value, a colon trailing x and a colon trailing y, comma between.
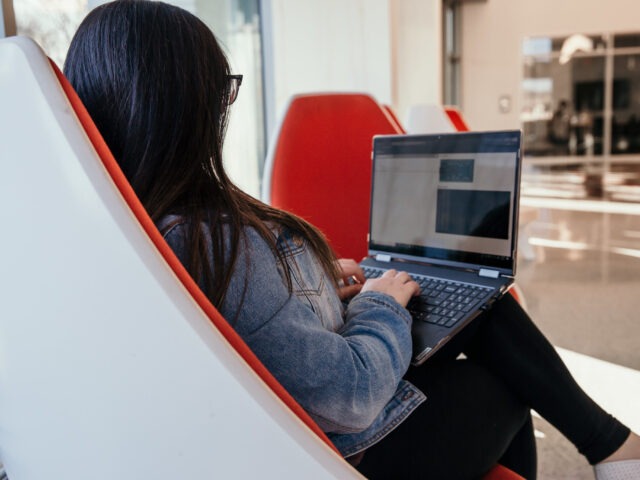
x: 171, y: 222
x: 175, y: 228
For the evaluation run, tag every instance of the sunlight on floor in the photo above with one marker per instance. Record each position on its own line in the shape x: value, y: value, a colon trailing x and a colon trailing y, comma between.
x: 614, y: 387
x: 594, y: 206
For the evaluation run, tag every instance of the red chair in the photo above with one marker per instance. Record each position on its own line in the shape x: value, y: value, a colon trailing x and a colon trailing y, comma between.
x: 319, y: 166
x: 502, y: 473
x: 392, y: 114
x: 456, y: 118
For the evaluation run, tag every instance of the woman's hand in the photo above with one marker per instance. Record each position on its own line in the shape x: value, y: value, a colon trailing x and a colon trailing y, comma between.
x: 352, y: 278
x: 397, y: 284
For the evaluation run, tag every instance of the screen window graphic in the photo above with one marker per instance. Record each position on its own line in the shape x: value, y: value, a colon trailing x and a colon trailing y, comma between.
x: 456, y: 170
x: 475, y: 213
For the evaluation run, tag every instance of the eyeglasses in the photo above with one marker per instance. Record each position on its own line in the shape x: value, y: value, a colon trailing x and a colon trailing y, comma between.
x: 234, y: 86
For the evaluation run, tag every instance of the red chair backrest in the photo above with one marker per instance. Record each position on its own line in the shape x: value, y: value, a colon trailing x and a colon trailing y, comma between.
x: 322, y: 165
x: 455, y: 116
x: 392, y: 115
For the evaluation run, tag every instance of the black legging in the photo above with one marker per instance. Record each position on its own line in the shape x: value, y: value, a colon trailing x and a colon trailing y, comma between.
x: 477, y: 410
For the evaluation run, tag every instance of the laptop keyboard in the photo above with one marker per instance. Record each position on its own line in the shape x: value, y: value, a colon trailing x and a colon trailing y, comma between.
x: 441, y: 302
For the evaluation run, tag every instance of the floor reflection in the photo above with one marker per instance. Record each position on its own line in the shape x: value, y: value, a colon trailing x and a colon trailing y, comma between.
x: 579, y: 270
x: 583, y: 178
x: 580, y: 274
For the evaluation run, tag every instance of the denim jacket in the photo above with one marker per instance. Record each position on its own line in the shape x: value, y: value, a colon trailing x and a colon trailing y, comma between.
x: 343, y: 365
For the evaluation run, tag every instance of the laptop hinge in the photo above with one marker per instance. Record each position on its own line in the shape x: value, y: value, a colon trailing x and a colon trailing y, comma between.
x: 381, y: 257
x: 485, y: 272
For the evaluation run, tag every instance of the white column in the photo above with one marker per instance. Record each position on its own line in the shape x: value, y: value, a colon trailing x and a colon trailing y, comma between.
x: 416, y: 35
x: 330, y: 45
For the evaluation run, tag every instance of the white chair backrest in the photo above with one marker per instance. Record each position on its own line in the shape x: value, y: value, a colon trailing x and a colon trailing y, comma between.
x: 108, y: 367
x: 427, y: 118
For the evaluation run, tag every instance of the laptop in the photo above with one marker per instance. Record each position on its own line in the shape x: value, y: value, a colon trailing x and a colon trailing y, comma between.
x: 444, y: 208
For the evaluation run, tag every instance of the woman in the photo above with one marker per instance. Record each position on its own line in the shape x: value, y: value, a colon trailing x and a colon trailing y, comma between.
x: 159, y: 88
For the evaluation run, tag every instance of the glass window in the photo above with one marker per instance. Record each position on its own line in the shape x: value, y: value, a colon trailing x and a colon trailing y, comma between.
x: 626, y: 40
x: 51, y: 23
x: 236, y: 24
x: 625, y: 124
x: 581, y: 111
x: 238, y: 29
x: 563, y: 92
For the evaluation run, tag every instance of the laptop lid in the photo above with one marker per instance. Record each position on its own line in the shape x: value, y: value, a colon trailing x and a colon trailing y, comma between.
x: 447, y: 199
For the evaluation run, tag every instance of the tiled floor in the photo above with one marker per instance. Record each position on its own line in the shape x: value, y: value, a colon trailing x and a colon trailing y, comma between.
x: 579, y: 270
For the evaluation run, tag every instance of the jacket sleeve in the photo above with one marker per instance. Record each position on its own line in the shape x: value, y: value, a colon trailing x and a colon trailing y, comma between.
x: 342, y: 379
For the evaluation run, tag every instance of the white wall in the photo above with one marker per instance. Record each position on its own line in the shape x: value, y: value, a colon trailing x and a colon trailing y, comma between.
x: 331, y: 45
x: 387, y: 48
x: 492, y: 39
x: 417, y: 53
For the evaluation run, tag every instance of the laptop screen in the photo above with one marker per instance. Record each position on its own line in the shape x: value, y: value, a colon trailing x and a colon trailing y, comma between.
x: 447, y: 198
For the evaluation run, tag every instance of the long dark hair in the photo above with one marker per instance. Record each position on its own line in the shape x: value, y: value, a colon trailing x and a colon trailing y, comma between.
x: 156, y: 83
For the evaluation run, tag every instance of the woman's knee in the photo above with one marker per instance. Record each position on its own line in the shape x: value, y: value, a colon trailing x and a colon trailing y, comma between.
x: 493, y: 397
x: 467, y: 386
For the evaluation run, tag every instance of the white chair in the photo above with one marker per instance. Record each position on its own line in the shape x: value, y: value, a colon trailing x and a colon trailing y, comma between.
x: 112, y: 364
x: 428, y: 118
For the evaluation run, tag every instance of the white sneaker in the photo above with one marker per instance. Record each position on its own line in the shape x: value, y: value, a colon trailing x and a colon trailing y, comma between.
x: 622, y: 470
